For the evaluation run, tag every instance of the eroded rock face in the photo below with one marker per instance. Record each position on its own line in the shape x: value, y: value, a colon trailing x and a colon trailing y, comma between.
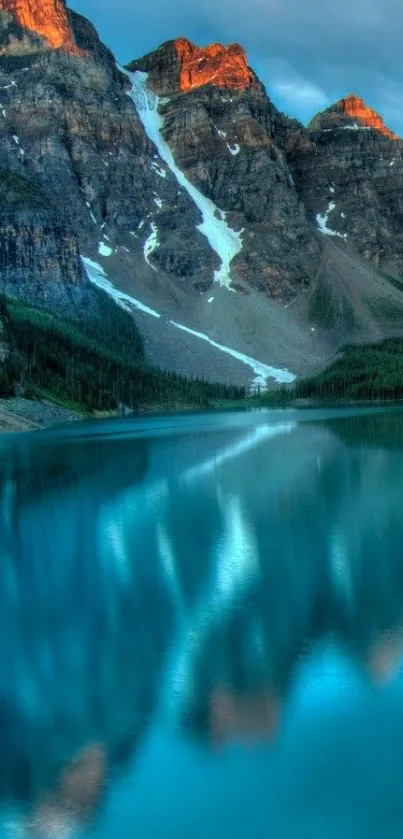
x: 46, y: 18
x: 216, y: 64
x: 39, y: 256
x: 39, y: 261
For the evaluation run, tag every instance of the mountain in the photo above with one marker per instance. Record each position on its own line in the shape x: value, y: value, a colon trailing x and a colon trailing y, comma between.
x: 219, y: 125
x: 351, y: 177
x: 247, y: 246
x: 352, y: 114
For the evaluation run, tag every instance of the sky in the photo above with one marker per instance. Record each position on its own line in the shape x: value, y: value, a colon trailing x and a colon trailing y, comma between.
x: 308, y: 53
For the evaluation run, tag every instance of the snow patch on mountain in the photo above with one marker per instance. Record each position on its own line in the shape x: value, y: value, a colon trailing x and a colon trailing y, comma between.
x: 322, y: 220
x: 353, y: 127
x: 356, y: 127
x: 262, y: 371
x: 104, y: 249
x: 151, y: 244
x: 98, y: 276
x: 161, y: 172
x: 226, y: 243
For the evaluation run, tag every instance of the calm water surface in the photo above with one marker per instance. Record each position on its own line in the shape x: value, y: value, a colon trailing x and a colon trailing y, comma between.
x: 202, y: 628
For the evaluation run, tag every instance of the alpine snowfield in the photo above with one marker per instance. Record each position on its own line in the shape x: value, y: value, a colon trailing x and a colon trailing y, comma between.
x: 97, y: 275
x: 262, y: 371
x: 222, y: 239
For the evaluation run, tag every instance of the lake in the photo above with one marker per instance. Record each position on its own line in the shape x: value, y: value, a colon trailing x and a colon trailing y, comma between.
x: 202, y: 627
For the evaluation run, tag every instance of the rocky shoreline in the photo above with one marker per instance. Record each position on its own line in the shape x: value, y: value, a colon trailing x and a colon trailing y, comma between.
x: 18, y: 414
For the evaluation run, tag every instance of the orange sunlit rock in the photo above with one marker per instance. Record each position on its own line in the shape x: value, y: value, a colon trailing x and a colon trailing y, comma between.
x: 218, y: 65
x: 47, y: 18
x: 356, y: 108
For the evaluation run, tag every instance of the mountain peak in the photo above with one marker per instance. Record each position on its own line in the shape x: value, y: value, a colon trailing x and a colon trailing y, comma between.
x: 181, y: 66
x: 215, y: 64
x: 46, y: 18
x: 351, y: 112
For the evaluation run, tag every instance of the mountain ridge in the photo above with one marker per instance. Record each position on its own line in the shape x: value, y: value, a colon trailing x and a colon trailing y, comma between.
x: 344, y: 114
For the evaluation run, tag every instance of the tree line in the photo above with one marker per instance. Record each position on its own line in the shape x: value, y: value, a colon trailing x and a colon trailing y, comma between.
x: 93, y: 365
x: 371, y: 372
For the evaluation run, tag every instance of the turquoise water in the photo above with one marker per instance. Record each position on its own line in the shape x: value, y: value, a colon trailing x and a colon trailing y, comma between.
x: 202, y: 627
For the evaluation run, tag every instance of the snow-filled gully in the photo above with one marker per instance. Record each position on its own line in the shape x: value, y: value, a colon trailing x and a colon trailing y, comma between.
x: 226, y: 243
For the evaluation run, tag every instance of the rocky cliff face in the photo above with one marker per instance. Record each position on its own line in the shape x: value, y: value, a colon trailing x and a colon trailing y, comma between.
x: 39, y: 257
x: 47, y: 19
x: 182, y: 66
x: 216, y: 64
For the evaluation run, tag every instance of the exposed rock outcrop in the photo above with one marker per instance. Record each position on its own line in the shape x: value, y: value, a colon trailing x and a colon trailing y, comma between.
x: 47, y: 19
x: 216, y: 64
x: 39, y: 257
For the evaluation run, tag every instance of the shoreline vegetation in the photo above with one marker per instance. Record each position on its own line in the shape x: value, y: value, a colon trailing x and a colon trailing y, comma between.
x: 55, y: 370
x: 94, y: 366
x: 369, y: 374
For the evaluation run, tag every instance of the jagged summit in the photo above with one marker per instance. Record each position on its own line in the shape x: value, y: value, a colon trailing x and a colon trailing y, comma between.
x: 215, y: 64
x: 181, y: 66
x: 351, y: 113
x: 46, y: 18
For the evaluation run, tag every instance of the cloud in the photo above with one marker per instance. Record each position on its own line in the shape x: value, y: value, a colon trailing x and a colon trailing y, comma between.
x: 329, y: 48
x: 303, y: 92
x: 294, y: 91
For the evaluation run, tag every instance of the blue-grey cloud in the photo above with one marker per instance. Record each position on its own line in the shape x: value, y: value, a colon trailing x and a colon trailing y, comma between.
x: 307, y: 53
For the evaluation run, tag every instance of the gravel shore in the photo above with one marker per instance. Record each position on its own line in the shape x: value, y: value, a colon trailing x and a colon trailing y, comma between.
x: 19, y: 414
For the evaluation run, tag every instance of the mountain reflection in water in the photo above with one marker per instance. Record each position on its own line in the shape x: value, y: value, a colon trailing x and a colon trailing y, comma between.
x: 191, y: 608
